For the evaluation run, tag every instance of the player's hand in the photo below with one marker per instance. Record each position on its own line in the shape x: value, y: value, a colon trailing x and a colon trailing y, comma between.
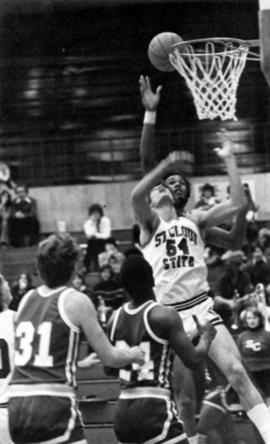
x: 150, y: 99
x: 206, y: 330
x: 138, y: 355
x: 226, y: 149
x: 182, y: 160
x: 89, y: 361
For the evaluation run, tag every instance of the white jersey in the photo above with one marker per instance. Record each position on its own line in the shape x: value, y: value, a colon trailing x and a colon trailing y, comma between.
x: 176, y: 254
x: 6, y: 351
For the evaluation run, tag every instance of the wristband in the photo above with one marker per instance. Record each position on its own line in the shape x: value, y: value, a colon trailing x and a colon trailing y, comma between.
x: 264, y: 4
x: 150, y: 117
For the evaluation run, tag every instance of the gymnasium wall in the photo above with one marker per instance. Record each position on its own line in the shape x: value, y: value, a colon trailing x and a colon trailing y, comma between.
x: 70, y: 203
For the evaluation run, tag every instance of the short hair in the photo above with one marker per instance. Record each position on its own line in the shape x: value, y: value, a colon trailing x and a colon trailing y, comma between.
x: 208, y: 187
x: 256, y: 312
x: 56, y: 259
x: 95, y: 208
x: 187, y: 182
x: 136, y: 274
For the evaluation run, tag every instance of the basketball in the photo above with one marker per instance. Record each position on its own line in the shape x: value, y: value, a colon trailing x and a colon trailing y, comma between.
x: 159, y: 49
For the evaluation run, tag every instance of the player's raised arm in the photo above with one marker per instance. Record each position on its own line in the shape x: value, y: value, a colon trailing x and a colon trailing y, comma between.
x: 168, y: 323
x: 150, y: 101
x: 145, y: 214
x: 232, y: 239
x: 225, y: 210
x: 82, y: 314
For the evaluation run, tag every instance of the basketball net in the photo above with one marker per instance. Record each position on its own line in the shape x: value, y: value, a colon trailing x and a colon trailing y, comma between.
x: 212, y: 70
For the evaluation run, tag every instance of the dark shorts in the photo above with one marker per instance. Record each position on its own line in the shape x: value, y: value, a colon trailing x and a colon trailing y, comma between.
x: 37, y: 419
x: 148, y: 419
x: 261, y: 378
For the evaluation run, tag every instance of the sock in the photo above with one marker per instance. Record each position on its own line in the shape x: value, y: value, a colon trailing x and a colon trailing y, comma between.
x: 260, y: 416
x: 193, y: 439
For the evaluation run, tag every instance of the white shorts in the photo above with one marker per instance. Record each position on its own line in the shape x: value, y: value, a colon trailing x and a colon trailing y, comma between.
x: 4, y: 429
x: 202, y: 307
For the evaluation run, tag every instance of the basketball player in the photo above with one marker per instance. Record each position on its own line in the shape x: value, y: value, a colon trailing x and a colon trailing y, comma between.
x: 174, y: 247
x: 43, y: 406
x: 233, y: 239
x: 145, y: 411
x: 217, y: 236
x: 6, y: 356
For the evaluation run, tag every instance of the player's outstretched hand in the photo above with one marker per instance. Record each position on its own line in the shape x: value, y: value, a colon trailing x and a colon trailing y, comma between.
x: 150, y: 99
x: 89, y: 361
x: 207, y: 330
x: 138, y: 355
x: 226, y: 149
x: 182, y: 160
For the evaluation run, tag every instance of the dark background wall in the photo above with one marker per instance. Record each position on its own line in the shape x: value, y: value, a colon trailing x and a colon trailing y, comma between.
x: 70, y: 107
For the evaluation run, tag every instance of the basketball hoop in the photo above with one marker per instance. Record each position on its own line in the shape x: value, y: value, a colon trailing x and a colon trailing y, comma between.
x: 212, y: 68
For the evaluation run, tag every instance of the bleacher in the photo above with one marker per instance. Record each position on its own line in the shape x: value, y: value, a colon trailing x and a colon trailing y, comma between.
x: 14, y: 261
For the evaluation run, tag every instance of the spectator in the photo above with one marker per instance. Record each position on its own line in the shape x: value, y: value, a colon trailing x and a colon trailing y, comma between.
x: 234, y: 283
x: 251, y: 218
x: 267, y: 261
x: 253, y: 208
x: 264, y: 237
x: 5, y: 204
x: 97, y: 228
x: 19, y: 289
x: 207, y: 199
x: 111, y: 251
x: 79, y: 284
x: 7, y: 339
x: 23, y: 224
x: 109, y: 289
x: 254, y: 345
x: 257, y: 267
x: 135, y: 235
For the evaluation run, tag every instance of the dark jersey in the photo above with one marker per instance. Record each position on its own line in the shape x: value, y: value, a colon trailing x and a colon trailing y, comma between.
x: 254, y: 347
x: 46, y: 342
x: 131, y: 327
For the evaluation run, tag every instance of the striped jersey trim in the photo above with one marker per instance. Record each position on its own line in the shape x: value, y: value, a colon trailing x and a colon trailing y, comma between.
x: 145, y: 392
x: 3, y: 405
x: 114, y: 323
x: 185, y: 305
x: 147, y: 325
x: 216, y: 406
x: 62, y: 310
x: 22, y: 390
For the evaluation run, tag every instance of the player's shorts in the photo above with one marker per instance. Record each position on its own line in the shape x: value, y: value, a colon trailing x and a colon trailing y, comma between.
x: 202, y: 307
x: 147, y: 415
x: 41, y: 415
